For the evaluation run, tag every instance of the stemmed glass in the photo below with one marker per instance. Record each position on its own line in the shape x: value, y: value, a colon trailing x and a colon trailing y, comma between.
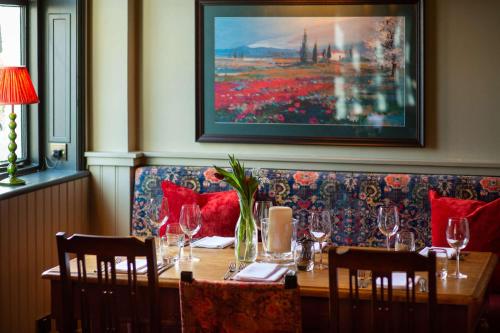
x: 457, y: 235
x: 261, y: 211
x: 388, y: 222
x: 190, y: 221
x: 157, y: 213
x: 320, y: 227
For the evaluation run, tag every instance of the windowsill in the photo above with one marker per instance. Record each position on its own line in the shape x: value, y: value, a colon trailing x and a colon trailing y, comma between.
x: 39, y: 180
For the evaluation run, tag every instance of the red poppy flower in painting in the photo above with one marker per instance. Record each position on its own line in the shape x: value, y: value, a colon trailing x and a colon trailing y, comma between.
x: 313, y: 120
x: 305, y: 178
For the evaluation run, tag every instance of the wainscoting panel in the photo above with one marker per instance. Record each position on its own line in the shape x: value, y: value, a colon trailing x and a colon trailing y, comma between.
x: 28, y: 225
x: 111, y: 197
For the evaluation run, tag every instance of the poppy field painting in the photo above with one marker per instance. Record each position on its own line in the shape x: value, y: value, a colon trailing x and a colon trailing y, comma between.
x: 285, y: 77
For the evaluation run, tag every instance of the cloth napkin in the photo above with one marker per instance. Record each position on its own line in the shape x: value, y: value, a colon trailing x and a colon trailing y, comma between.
x: 214, y: 242
x: 261, y: 272
x: 398, y: 280
x: 141, y: 266
x: 449, y: 251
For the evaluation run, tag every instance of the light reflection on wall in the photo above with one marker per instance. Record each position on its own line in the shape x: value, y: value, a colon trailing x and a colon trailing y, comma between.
x: 339, y: 37
x: 356, y: 63
x: 340, y: 95
x: 357, y: 109
x: 381, y: 102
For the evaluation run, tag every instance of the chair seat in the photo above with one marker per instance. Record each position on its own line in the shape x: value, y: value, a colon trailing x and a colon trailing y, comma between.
x: 211, y: 306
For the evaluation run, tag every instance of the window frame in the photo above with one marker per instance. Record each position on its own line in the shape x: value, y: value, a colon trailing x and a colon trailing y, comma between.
x: 30, y: 126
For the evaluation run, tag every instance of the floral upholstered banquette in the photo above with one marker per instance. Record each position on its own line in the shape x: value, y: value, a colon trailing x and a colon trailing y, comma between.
x: 351, y: 197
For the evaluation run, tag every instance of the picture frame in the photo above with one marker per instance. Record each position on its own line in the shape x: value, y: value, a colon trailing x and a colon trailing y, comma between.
x: 324, y: 72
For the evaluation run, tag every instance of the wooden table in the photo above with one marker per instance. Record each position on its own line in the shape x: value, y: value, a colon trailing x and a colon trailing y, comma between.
x: 460, y: 301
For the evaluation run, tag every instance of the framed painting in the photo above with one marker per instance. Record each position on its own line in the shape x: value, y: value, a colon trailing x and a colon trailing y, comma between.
x: 310, y: 72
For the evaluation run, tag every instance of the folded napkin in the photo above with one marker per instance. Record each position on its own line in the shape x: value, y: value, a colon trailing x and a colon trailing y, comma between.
x: 261, y: 272
x: 398, y: 280
x: 449, y: 251
x: 141, y: 266
x: 214, y: 242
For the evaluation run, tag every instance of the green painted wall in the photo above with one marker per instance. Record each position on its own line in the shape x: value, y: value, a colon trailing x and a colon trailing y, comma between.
x: 462, y: 92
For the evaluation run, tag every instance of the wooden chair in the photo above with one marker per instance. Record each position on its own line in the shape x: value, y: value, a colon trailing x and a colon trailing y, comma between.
x: 97, y: 310
x: 243, y: 307
x: 362, y: 309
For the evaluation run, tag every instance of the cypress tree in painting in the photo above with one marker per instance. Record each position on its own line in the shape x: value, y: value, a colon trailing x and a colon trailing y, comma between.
x: 329, y: 53
x: 303, y: 48
x: 315, y: 53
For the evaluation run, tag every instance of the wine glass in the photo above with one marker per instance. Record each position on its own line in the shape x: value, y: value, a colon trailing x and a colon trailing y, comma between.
x: 157, y: 213
x: 457, y: 235
x: 320, y: 228
x: 405, y: 241
x: 388, y: 222
x: 190, y: 221
x: 261, y: 211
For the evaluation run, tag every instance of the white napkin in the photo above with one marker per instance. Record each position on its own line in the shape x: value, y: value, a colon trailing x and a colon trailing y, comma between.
x: 141, y: 266
x: 449, y: 251
x: 261, y: 272
x: 214, y: 242
x: 398, y: 280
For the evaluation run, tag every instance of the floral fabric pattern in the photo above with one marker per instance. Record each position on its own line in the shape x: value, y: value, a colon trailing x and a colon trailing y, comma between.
x: 208, y: 306
x: 352, y: 198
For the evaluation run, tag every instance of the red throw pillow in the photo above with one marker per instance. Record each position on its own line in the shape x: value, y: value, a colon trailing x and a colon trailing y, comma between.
x: 219, y: 210
x: 484, y: 224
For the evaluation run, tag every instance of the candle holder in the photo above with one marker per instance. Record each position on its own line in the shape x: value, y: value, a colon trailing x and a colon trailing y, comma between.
x: 278, y: 241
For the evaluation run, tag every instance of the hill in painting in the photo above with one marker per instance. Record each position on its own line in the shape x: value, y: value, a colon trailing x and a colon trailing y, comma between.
x: 256, y: 52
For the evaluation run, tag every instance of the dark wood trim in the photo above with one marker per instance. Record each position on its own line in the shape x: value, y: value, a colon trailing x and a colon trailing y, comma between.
x: 303, y: 2
x: 421, y: 73
x: 200, y: 70
x: 14, y: 2
x: 81, y: 26
x: 200, y: 134
x: 327, y: 141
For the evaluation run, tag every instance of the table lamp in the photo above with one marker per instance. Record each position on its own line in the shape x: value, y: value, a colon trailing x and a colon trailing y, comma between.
x: 16, y: 88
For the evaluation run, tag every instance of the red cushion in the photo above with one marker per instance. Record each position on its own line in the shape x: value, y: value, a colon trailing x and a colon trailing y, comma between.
x: 219, y: 210
x: 484, y: 224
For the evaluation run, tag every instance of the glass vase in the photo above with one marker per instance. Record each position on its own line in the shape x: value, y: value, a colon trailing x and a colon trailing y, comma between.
x: 245, y: 238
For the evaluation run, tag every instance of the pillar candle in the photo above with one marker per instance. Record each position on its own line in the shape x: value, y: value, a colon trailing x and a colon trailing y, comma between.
x: 280, y: 229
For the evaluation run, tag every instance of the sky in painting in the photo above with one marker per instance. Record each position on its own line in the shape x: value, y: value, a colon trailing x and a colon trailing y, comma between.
x: 287, y: 32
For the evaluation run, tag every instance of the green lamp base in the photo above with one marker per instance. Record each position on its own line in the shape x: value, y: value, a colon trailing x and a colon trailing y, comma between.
x: 12, y: 181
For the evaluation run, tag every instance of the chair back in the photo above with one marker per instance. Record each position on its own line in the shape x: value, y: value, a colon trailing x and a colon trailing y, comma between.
x: 212, y: 306
x: 98, y: 310
x: 361, y: 309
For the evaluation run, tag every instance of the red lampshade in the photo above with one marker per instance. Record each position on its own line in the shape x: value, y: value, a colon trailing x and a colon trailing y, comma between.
x: 16, y: 86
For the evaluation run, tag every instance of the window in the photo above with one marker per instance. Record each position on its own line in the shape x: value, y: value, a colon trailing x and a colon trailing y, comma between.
x: 12, y: 53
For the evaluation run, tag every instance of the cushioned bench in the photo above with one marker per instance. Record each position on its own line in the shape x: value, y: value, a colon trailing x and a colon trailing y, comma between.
x: 352, y: 197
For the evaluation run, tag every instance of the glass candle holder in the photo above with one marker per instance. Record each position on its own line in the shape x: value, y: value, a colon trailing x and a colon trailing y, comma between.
x: 278, y: 240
